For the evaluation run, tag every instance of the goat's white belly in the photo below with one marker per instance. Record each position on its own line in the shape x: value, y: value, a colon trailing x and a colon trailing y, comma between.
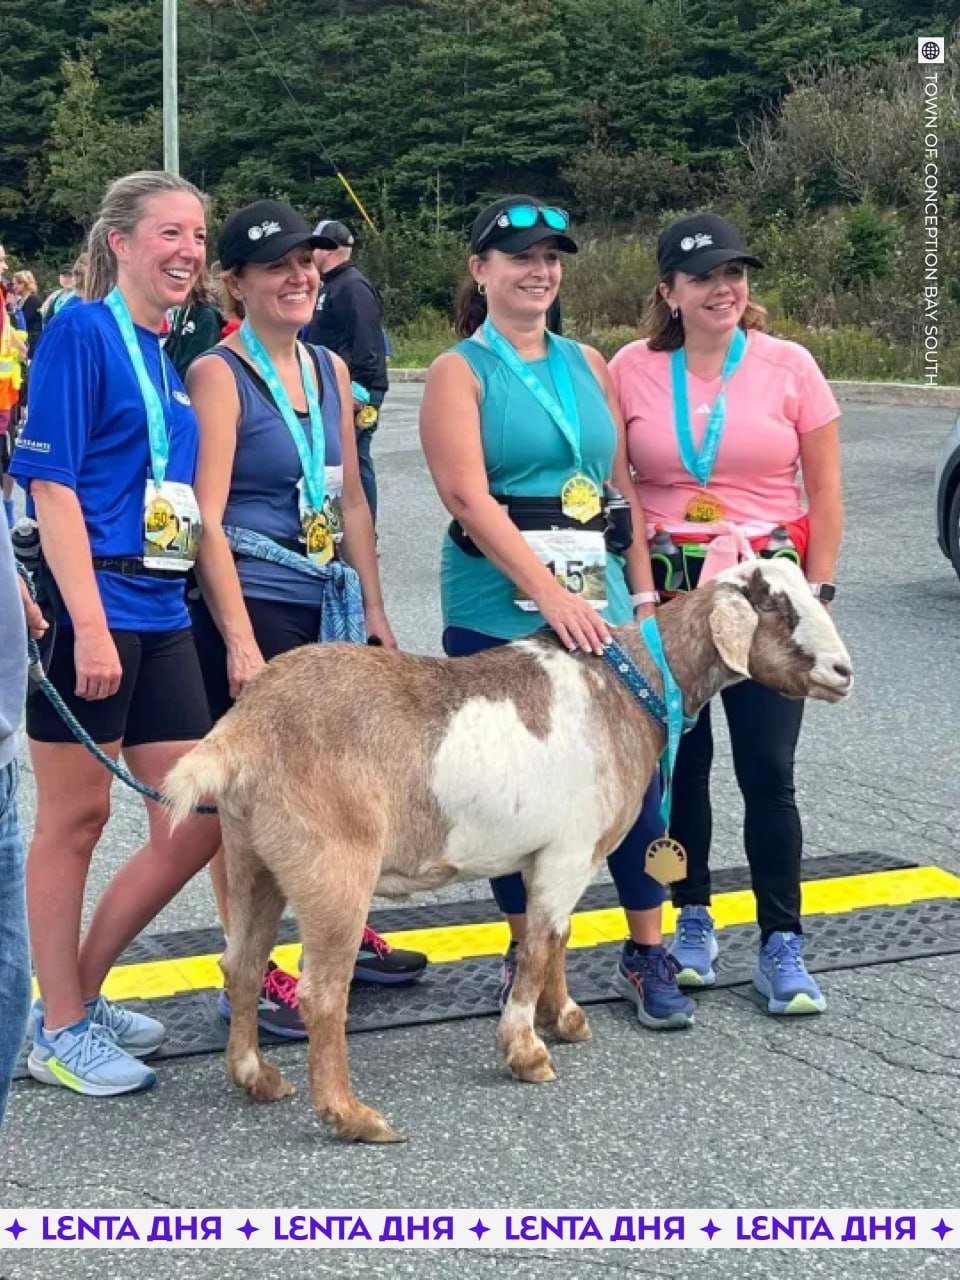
x: 507, y: 793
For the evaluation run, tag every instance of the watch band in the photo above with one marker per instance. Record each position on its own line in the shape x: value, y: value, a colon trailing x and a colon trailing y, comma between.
x: 644, y: 597
x: 824, y: 591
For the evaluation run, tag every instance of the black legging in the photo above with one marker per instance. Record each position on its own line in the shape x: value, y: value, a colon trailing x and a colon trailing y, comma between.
x: 764, y: 728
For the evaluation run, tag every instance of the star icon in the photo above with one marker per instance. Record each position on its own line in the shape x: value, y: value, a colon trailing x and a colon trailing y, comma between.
x: 17, y: 1231
x: 478, y: 1229
x: 941, y: 1229
x: 710, y: 1229
x: 248, y: 1229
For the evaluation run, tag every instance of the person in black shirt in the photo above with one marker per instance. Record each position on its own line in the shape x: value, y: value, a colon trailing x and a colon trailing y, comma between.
x: 348, y: 320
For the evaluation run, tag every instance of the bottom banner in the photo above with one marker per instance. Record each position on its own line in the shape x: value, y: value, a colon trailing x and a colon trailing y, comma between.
x: 481, y: 1229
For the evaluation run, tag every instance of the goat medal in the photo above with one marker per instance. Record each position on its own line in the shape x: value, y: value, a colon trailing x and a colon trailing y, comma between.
x: 666, y: 860
x: 580, y: 499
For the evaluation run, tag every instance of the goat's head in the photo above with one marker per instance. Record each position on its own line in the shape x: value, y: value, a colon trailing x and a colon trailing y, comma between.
x: 767, y: 624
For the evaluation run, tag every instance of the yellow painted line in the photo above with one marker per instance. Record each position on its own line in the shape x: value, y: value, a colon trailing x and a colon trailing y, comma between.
x: 837, y: 896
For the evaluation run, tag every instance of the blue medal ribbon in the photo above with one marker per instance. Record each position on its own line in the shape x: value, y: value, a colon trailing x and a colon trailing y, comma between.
x: 676, y: 721
x: 313, y: 452
x: 565, y: 412
x: 156, y: 418
x: 700, y: 462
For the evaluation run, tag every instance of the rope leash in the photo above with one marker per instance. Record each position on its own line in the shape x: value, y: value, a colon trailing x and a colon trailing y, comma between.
x: 119, y: 770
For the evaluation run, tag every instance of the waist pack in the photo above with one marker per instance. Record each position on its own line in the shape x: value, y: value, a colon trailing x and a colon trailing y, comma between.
x: 545, y: 513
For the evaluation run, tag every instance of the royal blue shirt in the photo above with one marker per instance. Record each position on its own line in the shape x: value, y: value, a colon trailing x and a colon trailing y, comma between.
x: 87, y: 429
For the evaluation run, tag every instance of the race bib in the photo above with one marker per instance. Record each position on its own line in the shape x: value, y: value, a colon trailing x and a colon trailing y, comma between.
x: 171, y: 527
x: 577, y: 558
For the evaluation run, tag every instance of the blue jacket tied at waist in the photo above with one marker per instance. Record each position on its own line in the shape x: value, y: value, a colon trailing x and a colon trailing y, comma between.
x: 341, y: 609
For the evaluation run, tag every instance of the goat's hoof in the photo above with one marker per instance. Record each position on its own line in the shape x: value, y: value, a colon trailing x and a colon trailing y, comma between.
x: 535, y: 1068
x: 572, y: 1025
x: 365, y: 1125
x: 270, y: 1086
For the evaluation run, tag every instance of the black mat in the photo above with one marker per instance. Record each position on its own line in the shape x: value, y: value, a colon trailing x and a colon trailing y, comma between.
x: 468, y: 988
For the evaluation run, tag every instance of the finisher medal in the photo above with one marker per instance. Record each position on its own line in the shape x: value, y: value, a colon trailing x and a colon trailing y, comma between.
x: 580, y: 499
x: 319, y: 539
x: 704, y: 508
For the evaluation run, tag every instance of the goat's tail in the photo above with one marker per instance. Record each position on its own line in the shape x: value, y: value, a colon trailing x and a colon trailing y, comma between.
x: 208, y: 772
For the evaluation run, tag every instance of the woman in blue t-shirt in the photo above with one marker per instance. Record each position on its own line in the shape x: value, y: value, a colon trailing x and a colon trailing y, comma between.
x: 281, y: 465
x: 522, y: 431
x: 108, y: 457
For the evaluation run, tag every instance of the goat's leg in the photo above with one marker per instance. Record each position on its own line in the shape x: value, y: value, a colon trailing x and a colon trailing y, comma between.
x: 255, y: 906
x: 556, y: 881
x: 331, y: 913
x: 556, y: 1012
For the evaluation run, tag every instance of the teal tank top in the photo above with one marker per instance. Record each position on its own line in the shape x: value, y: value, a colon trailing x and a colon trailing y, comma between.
x: 526, y: 455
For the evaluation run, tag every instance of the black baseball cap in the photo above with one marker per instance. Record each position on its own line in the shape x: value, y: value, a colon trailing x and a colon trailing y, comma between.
x: 264, y: 231
x: 333, y: 235
x: 492, y: 229
x: 66, y: 270
x: 698, y: 244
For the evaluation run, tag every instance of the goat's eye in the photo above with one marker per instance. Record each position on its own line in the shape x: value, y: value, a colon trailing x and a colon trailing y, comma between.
x: 767, y: 605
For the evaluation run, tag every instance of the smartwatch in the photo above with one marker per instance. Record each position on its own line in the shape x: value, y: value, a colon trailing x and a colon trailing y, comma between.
x: 824, y: 591
x: 644, y: 597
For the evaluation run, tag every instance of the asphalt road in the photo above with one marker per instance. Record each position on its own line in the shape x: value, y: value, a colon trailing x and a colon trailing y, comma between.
x: 857, y: 1108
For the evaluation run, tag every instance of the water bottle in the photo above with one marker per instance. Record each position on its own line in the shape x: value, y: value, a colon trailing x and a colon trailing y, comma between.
x: 666, y: 559
x: 25, y: 537
x: 780, y: 544
x: 618, y: 530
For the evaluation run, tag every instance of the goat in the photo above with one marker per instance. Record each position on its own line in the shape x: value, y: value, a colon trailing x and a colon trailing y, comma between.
x: 343, y: 771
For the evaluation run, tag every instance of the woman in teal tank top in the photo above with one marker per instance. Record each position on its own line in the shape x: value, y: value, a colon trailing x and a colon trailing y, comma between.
x: 522, y: 431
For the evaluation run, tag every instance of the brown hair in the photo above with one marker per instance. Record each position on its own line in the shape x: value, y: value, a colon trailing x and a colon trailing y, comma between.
x: 232, y: 308
x: 470, y: 307
x: 121, y: 210
x: 664, y: 332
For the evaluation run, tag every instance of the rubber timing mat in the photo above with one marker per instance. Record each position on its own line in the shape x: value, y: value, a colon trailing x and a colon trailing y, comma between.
x: 468, y: 988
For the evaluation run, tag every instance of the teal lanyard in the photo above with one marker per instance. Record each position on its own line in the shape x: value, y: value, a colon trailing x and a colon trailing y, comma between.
x: 673, y: 700
x: 700, y: 462
x: 312, y: 453
x: 156, y: 418
x: 565, y: 412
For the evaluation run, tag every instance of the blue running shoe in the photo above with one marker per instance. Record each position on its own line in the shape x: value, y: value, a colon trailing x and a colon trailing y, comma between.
x: 694, y: 947
x: 782, y: 978
x: 86, y: 1059
x: 649, y: 980
x: 134, y: 1033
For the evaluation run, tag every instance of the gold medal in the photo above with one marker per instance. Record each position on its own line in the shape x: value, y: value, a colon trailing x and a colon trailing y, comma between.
x: 367, y: 416
x: 319, y: 539
x: 704, y: 508
x: 160, y: 522
x: 580, y: 499
x: 666, y: 860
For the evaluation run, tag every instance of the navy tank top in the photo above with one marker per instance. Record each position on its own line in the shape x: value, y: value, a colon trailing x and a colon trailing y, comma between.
x: 266, y: 471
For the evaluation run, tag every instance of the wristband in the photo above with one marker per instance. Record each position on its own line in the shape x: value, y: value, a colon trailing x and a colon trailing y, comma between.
x: 644, y: 597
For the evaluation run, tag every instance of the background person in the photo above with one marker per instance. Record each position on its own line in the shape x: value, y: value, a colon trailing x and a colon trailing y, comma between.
x: 14, y: 949
x: 349, y: 321
x: 721, y: 418
x: 487, y: 430
x: 196, y: 327
x: 104, y: 477
x: 254, y: 474
x: 55, y: 301
x: 24, y: 291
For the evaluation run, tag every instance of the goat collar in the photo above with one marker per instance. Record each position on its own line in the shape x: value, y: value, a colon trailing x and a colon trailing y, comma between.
x: 667, y: 711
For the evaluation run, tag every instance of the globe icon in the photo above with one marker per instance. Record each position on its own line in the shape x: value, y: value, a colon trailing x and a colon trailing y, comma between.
x: 930, y: 50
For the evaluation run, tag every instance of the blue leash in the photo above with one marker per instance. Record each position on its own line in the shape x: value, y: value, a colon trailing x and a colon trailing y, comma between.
x: 42, y: 680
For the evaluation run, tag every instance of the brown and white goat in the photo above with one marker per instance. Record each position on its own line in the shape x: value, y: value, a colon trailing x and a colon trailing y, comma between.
x: 344, y: 771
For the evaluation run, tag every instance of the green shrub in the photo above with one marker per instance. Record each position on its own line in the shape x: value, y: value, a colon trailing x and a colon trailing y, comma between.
x: 417, y: 343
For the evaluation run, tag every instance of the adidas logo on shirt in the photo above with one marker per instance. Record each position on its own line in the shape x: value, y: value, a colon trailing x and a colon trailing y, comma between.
x: 703, y: 408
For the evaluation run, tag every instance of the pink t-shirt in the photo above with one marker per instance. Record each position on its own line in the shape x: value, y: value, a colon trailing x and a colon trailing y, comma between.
x: 776, y: 395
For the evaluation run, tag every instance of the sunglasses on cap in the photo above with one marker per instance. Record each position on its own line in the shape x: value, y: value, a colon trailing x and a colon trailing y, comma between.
x: 520, y: 217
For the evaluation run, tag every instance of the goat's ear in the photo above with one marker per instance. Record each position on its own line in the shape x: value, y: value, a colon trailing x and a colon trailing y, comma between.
x: 733, y: 620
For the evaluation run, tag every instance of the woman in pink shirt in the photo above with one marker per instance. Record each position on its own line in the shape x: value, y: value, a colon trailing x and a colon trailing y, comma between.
x: 721, y: 421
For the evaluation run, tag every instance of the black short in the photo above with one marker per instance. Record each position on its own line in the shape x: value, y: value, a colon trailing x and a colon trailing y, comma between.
x: 161, y: 696
x: 277, y: 628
